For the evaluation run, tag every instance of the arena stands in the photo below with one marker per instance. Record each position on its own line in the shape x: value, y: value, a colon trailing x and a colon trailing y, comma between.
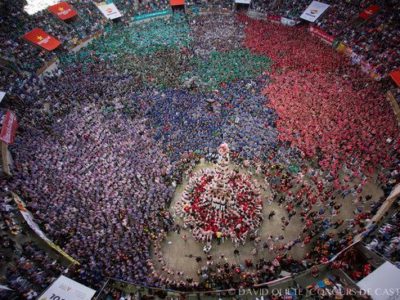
x: 111, y: 133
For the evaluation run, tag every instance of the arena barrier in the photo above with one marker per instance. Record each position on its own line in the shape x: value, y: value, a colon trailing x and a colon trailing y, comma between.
x: 28, y: 217
x: 155, y: 14
x: 272, y: 18
x: 46, y: 66
x: 395, y: 106
x: 394, y: 194
x: 322, y: 35
x: 174, y: 294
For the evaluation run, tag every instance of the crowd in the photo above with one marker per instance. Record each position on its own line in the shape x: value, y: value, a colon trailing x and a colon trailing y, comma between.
x: 284, y: 8
x: 356, y: 263
x: 206, y: 41
x: 106, y: 183
x: 15, y: 22
x: 109, y: 135
x: 386, y: 240
x: 221, y: 203
x: 323, y: 233
x: 233, y: 114
x: 26, y: 270
x: 373, y: 41
x: 309, y: 107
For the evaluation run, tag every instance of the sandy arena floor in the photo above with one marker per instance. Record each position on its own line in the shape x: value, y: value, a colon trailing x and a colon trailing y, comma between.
x: 180, y: 255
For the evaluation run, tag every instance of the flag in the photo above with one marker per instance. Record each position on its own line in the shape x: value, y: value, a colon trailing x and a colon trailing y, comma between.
x: 9, y: 128
x: 369, y: 12
x: 40, y: 38
x: 395, y: 75
x: 63, y: 10
x: 176, y: 2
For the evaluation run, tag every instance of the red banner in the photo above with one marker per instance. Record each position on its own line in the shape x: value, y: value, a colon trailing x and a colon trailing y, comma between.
x: 40, y: 38
x: 275, y: 19
x: 322, y: 34
x: 369, y: 12
x: 63, y: 10
x: 9, y: 128
x: 176, y: 2
x: 395, y: 75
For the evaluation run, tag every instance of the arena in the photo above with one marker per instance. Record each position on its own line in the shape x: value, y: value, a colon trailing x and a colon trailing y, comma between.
x: 200, y: 149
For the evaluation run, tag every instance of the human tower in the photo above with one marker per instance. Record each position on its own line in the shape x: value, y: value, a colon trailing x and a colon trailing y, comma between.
x: 221, y: 202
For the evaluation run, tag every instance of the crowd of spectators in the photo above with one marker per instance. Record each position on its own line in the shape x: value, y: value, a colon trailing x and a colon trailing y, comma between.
x: 289, y: 96
x: 15, y: 22
x: 324, y: 233
x: 386, y: 239
x: 107, y: 146
x: 26, y: 269
x: 32, y: 271
x: 376, y: 41
x: 373, y: 41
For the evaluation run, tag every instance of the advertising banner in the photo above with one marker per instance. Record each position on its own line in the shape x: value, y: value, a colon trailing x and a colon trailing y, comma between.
x: 65, y: 288
x: 28, y: 217
x: 274, y: 19
x: 9, y: 128
x: 63, y: 10
x: 314, y: 11
x: 288, y: 22
x: 40, y: 38
x: 315, y: 31
x: 110, y: 11
x: 155, y: 14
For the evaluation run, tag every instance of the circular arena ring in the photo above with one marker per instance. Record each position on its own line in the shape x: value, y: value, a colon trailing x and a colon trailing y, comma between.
x: 117, y: 157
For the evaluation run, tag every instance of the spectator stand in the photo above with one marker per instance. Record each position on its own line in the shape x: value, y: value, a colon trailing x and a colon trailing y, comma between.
x: 28, y: 217
x: 384, y: 239
x: 383, y: 210
x: 356, y: 264
x: 28, y: 265
x: 9, y: 64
